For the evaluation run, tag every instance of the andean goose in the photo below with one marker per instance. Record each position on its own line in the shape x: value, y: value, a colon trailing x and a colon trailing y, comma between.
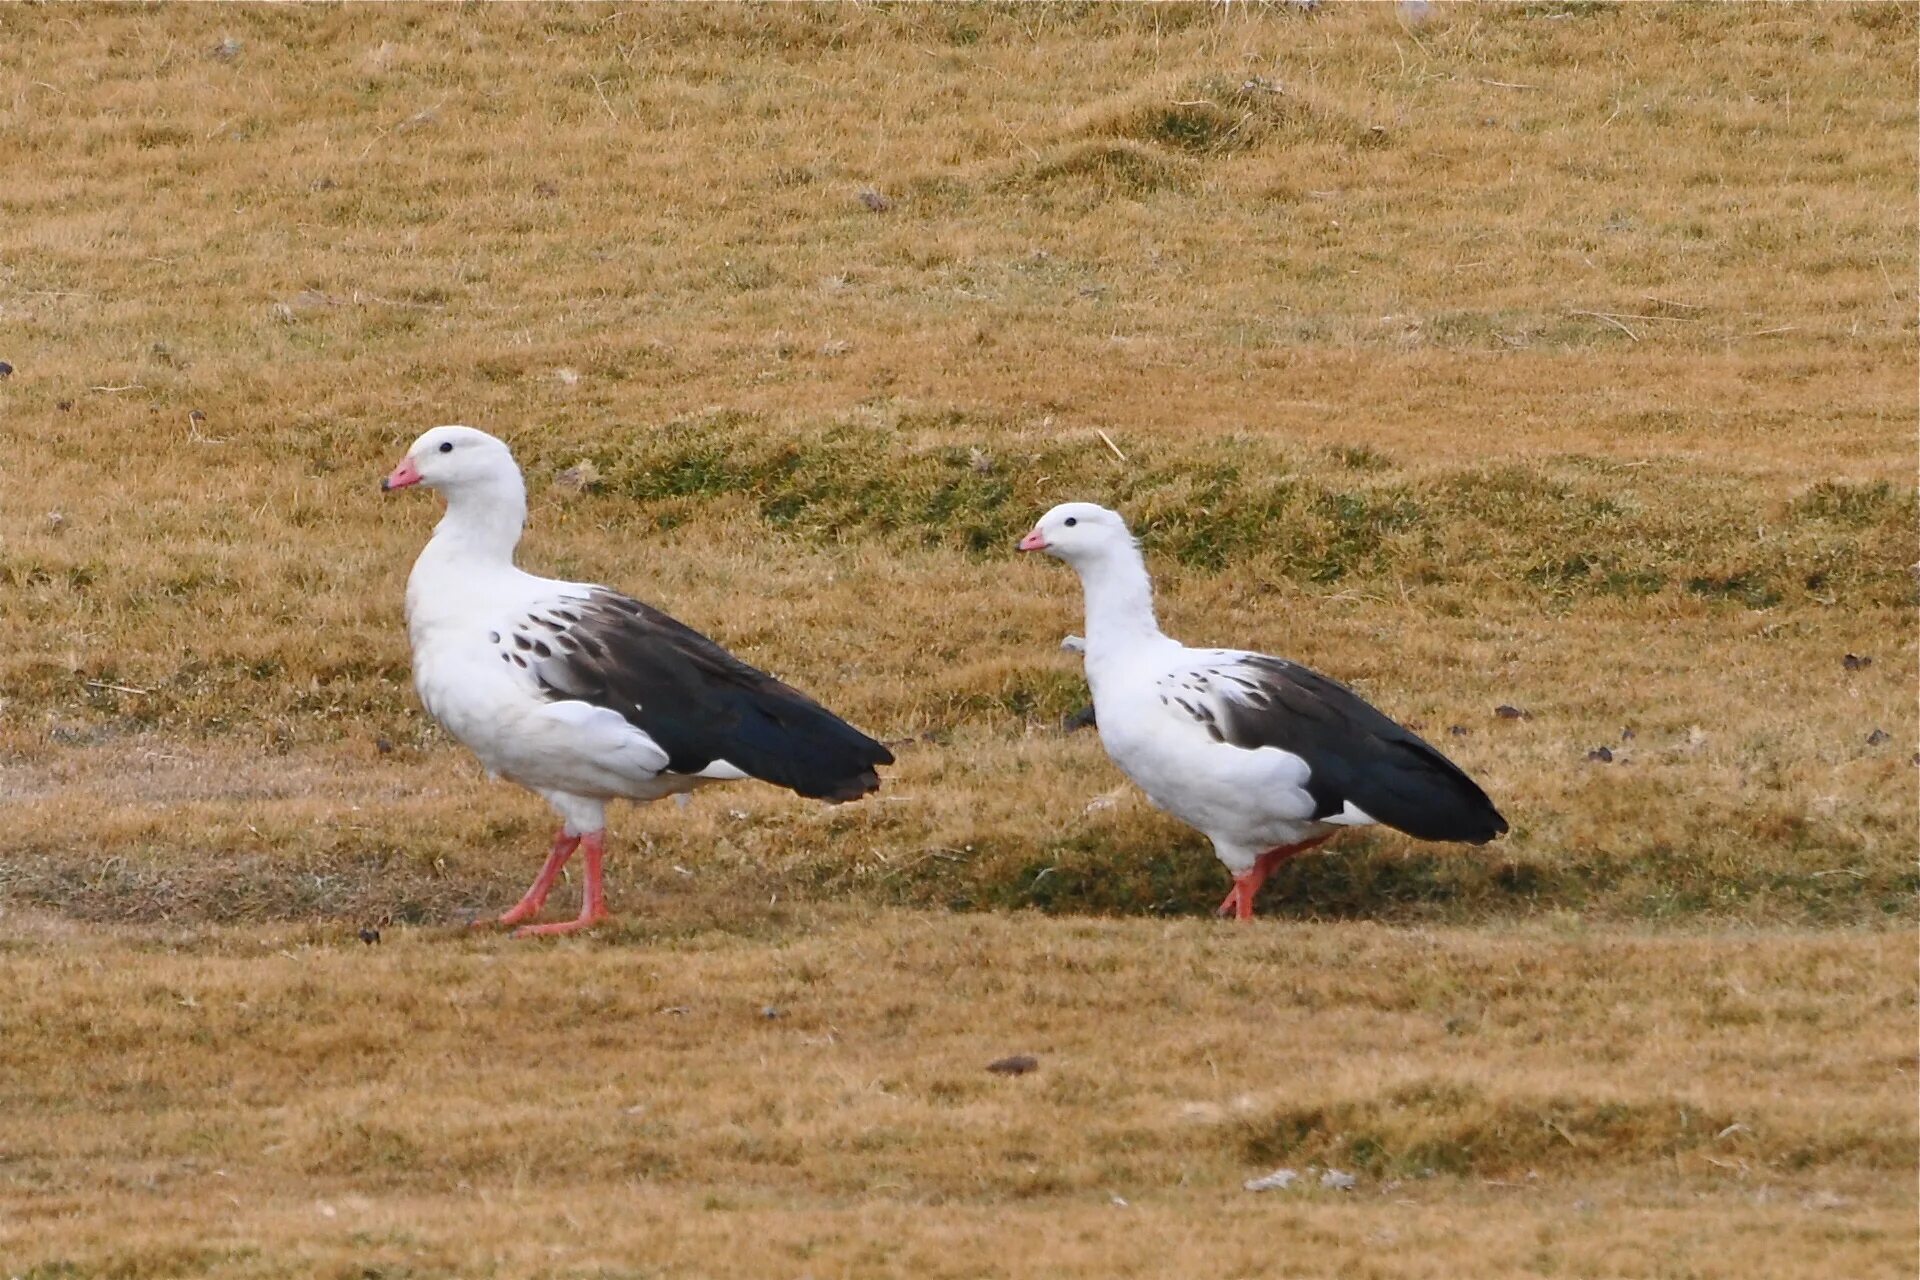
x: 581, y: 694
x: 1265, y: 757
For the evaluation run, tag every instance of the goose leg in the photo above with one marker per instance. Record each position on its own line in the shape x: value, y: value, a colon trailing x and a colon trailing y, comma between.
x: 536, y: 897
x: 593, y: 897
x: 1239, y: 900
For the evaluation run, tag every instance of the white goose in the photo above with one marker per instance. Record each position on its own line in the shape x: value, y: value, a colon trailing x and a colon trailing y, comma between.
x: 581, y: 694
x: 1263, y: 756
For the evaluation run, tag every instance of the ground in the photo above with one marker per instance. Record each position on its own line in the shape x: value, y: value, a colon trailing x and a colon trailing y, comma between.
x: 1556, y: 358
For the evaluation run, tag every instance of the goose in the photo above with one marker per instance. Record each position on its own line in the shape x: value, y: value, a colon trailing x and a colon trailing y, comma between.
x: 584, y: 695
x: 1263, y: 756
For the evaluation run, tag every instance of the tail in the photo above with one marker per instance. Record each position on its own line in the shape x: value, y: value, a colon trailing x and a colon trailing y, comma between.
x: 790, y: 740
x: 1429, y: 797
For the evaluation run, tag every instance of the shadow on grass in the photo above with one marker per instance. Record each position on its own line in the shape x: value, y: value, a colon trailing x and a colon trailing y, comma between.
x: 1120, y: 873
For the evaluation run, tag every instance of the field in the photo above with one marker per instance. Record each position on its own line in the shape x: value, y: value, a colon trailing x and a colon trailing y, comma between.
x: 1556, y: 357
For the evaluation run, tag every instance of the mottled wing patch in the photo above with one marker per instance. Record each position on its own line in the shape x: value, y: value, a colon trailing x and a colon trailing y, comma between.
x: 534, y: 640
x: 1191, y: 693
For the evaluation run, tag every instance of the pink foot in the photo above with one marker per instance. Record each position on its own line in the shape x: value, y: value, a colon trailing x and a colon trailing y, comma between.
x: 593, y: 898
x: 518, y: 912
x: 1246, y: 886
x: 562, y: 926
x: 536, y: 896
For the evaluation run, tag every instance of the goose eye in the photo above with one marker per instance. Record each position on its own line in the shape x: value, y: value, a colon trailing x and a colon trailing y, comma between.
x: 1072, y: 521
x: 447, y: 447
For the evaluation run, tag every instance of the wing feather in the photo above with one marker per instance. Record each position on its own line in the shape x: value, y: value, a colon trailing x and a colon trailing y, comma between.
x: 1359, y: 758
x: 706, y: 709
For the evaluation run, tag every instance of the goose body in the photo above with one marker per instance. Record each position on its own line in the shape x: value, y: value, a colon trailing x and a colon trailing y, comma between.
x: 1265, y: 757
x: 580, y: 693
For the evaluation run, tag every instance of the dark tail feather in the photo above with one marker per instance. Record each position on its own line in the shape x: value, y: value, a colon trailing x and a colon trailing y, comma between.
x: 798, y: 744
x: 1432, y: 798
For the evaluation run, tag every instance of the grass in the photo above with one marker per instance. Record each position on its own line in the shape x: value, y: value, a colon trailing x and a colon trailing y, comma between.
x: 776, y: 1090
x: 1522, y: 358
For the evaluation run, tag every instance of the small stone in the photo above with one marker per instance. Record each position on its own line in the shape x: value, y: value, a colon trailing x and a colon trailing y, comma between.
x: 1278, y: 1180
x: 1018, y: 1065
x: 875, y: 201
x: 322, y: 183
x: 1601, y: 755
x: 1626, y: 735
x: 1081, y: 719
x: 383, y: 745
x: 1506, y: 712
x: 370, y: 936
x: 1334, y: 1180
x: 1877, y: 737
x: 567, y: 377
x: 63, y: 405
x: 545, y: 188
x: 56, y: 521
x: 6, y: 370
x: 1856, y: 662
x: 196, y: 417
x: 227, y: 50
x: 1457, y: 730
x: 771, y: 1012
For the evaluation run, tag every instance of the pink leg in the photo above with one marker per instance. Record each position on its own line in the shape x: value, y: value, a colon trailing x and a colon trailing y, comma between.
x: 529, y: 906
x: 1239, y: 901
x: 593, y: 898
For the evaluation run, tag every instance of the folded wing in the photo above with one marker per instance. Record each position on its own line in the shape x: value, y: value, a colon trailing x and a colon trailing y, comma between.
x: 1358, y: 758
x: 709, y: 712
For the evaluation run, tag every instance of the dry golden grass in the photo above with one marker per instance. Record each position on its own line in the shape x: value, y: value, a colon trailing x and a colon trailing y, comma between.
x: 248, y: 1102
x: 1553, y: 355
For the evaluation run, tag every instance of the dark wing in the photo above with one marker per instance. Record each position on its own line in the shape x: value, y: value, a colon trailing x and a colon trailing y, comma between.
x: 1357, y: 755
x: 699, y: 702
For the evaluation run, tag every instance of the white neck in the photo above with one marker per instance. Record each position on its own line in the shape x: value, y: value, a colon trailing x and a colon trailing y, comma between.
x: 1119, y: 600
x: 483, y: 521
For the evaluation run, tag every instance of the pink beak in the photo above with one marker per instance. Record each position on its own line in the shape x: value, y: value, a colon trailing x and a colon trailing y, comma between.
x: 403, y: 475
x: 1034, y: 541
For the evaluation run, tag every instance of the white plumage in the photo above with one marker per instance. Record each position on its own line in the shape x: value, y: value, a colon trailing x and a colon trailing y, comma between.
x: 1264, y: 757
x: 579, y: 693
